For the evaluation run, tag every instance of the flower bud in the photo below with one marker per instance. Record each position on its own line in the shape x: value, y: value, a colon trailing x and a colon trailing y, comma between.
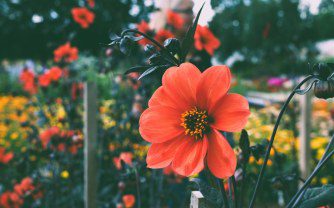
x: 324, y: 89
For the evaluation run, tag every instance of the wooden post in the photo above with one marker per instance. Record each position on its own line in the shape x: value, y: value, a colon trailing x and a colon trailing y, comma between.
x: 197, y: 200
x: 304, y: 137
x: 90, y: 134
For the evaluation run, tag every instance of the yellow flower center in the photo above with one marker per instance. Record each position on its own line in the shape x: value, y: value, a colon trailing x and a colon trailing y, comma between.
x: 195, y: 122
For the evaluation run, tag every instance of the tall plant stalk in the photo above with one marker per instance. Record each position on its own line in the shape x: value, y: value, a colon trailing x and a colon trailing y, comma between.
x: 266, y: 158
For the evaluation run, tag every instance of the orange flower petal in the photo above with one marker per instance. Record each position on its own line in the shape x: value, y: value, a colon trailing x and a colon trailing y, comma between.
x: 214, y: 84
x: 231, y: 113
x: 161, y: 155
x: 189, y: 157
x: 160, y: 124
x: 221, y: 158
x: 180, y: 84
x: 160, y: 98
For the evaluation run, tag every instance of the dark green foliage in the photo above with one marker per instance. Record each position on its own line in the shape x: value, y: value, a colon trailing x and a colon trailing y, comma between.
x: 273, y: 37
x: 20, y: 37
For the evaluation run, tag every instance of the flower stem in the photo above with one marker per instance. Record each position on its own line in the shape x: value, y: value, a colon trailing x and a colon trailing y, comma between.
x: 138, y: 188
x: 223, y: 192
x: 165, y: 50
x: 294, y: 201
x: 272, y: 138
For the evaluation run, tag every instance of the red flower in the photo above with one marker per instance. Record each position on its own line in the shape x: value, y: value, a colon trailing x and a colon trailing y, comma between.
x: 10, y: 200
x: 174, y: 19
x: 44, y: 80
x: 162, y: 35
x: 55, y: 73
x: 184, y: 118
x: 46, y: 135
x: 129, y: 200
x: 91, y: 3
x: 144, y: 28
x: 126, y: 157
x: 65, y: 53
x: 83, y: 16
x: 5, y: 157
x: 204, y: 39
x: 27, y: 78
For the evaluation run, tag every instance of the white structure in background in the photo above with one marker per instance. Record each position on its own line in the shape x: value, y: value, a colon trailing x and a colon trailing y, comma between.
x: 158, y: 19
x: 326, y: 49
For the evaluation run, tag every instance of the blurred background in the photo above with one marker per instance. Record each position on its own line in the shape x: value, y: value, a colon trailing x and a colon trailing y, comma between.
x: 49, y: 49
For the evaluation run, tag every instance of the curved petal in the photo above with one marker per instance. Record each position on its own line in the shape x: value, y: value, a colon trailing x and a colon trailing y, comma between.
x: 180, y: 84
x: 189, y: 157
x: 231, y: 113
x: 160, y: 124
x: 161, y: 155
x: 214, y: 84
x: 160, y: 98
x: 221, y: 158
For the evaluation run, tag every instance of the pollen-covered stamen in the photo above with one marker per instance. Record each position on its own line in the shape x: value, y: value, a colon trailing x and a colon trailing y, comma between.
x: 195, y: 122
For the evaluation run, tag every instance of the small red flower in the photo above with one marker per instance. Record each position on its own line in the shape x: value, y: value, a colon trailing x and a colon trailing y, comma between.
x: 174, y: 19
x: 126, y: 157
x: 27, y: 78
x: 204, y: 39
x: 5, y: 157
x: 91, y: 3
x: 65, y: 53
x: 184, y: 117
x: 162, y: 35
x: 144, y: 28
x: 44, y: 80
x: 46, y: 135
x: 129, y: 200
x: 55, y: 73
x: 83, y: 16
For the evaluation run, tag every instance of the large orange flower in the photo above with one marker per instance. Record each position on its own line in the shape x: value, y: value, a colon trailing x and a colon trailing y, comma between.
x: 204, y: 39
x: 83, y: 16
x: 184, y: 117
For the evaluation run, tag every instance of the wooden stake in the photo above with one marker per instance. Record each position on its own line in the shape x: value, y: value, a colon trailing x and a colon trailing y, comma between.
x: 304, y: 137
x: 90, y: 144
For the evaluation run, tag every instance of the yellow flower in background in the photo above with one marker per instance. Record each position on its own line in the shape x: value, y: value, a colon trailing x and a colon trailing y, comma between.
x: 324, y: 181
x: 61, y: 113
x: 64, y: 174
x: 318, y: 142
x: 14, y: 136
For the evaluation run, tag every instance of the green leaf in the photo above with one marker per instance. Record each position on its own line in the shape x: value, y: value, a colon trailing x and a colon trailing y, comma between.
x: 316, y: 197
x: 189, y: 38
x: 212, y: 195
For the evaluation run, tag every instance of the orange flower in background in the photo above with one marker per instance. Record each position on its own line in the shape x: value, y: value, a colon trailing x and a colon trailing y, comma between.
x: 55, y: 73
x: 205, y: 40
x: 27, y: 78
x: 5, y: 157
x: 126, y: 157
x: 83, y: 16
x: 184, y: 117
x: 46, y: 135
x: 174, y: 19
x: 144, y: 28
x: 162, y: 35
x: 65, y: 53
x: 44, y: 80
x: 129, y: 200
x: 10, y: 200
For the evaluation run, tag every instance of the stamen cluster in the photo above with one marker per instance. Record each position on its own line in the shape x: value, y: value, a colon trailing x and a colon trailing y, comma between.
x: 195, y: 122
